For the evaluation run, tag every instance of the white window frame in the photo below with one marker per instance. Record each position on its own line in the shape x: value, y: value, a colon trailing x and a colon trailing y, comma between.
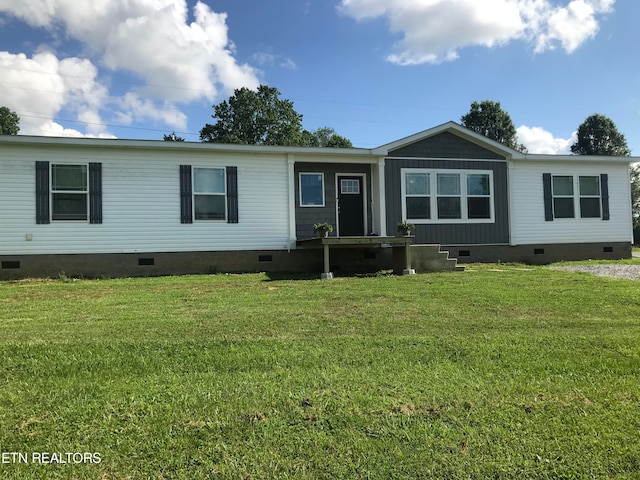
x: 598, y: 196
x: 195, y: 193
x: 433, y: 196
x: 53, y: 192
x: 300, y: 175
x: 555, y: 196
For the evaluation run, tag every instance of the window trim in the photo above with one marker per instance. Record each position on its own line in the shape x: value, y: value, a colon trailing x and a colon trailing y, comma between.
x: 321, y: 174
x: 194, y: 193
x: 433, y: 196
x: 86, y: 192
x: 555, y: 196
x: 598, y: 196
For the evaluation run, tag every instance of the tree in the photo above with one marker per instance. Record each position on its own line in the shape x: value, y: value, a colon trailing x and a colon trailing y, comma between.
x: 255, y: 118
x: 172, y: 138
x: 487, y: 118
x: 598, y: 135
x: 9, y: 121
x: 262, y: 118
x: 325, y: 137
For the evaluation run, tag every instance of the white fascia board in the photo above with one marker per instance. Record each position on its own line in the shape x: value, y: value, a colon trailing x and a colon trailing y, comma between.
x: 539, y: 158
x: 187, y: 146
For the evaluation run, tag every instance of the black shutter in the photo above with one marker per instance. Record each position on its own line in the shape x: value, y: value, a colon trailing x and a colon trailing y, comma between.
x: 186, y: 198
x: 604, y: 191
x: 42, y: 193
x: 232, y: 194
x: 548, y: 197
x: 95, y: 193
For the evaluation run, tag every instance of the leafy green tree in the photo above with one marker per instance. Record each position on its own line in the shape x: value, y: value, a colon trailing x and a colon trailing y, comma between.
x: 489, y: 119
x: 9, y: 122
x: 598, y: 135
x: 172, y: 137
x: 255, y: 118
x: 325, y: 137
x: 262, y: 118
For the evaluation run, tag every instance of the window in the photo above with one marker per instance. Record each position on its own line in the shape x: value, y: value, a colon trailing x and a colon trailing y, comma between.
x: 209, y: 194
x: 312, y: 190
x: 447, y: 196
x: 478, y: 195
x: 417, y: 195
x: 349, y: 186
x: 589, y: 197
x: 69, y: 192
x: 564, y: 195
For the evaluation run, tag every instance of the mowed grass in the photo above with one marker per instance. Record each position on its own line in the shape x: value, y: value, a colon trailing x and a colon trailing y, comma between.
x: 502, y: 371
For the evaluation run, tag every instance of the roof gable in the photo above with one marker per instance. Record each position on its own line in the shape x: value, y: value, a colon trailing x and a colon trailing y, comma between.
x: 448, y: 140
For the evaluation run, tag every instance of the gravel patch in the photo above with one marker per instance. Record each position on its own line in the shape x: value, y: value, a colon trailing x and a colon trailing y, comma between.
x: 629, y: 272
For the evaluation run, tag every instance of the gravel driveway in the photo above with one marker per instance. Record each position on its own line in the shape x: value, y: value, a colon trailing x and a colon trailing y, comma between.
x: 630, y: 272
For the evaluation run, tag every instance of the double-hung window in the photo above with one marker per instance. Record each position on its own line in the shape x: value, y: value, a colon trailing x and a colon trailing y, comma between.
x: 447, y: 196
x: 209, y: 194
x: 478, y: 196
x: 589, y: 197
x: 563, y: 200
x: 69, y: 192
x: 418, y: 195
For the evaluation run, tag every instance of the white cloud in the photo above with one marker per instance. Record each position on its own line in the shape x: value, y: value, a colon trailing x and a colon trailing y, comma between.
x: 39, y: 88
x: 135, y: 108
x: 267, y: 59
x: 538, y: 140
x: 434, y: 31
x: 177, y: 61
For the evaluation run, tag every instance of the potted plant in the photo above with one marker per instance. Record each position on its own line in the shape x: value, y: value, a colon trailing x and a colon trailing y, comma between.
x: 322, y: 229
x: 406, y: 228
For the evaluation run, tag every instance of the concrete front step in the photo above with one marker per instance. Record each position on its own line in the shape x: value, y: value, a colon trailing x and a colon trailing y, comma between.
x: 429, y: 258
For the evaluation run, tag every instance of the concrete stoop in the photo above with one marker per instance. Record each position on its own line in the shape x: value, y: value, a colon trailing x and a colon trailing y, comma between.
x: 429, y: 258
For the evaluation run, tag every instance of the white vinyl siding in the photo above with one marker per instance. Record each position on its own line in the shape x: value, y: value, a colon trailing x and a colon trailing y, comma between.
x: 528, y: 211
x: 141, y: 203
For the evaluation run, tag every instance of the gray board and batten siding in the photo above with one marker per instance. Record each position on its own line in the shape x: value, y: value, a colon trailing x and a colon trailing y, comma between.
x: 448, y: 151
x: 306, y: 217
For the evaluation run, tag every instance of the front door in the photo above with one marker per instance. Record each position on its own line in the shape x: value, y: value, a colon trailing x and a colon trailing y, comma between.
x: 351, y: 210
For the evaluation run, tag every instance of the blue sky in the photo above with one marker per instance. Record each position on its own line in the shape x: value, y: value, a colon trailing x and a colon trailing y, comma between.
x: 375, y: 70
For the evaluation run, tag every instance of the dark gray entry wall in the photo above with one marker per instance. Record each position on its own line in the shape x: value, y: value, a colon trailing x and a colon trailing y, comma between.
x: 307, y: 216
x: 450, y: 152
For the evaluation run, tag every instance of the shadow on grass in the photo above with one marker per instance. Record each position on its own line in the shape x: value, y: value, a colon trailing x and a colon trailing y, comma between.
x: 279, y: 276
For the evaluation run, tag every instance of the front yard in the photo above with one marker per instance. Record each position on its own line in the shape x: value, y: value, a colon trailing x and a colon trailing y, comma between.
x: 502, y: 371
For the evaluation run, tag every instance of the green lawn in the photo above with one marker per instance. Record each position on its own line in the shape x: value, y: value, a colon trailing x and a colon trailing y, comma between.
x: 502, y: 371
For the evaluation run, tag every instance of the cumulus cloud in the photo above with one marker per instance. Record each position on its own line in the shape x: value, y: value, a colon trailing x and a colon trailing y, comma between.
x: 538, y: 140
x: 40, y: 87
x: 177, y: 61
x: 434, y: 31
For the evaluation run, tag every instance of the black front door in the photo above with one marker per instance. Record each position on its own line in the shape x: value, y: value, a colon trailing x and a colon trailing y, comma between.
x: 350, y: 206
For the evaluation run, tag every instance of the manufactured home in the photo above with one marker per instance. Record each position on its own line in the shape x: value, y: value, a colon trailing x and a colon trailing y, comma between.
x: 96, y: 207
